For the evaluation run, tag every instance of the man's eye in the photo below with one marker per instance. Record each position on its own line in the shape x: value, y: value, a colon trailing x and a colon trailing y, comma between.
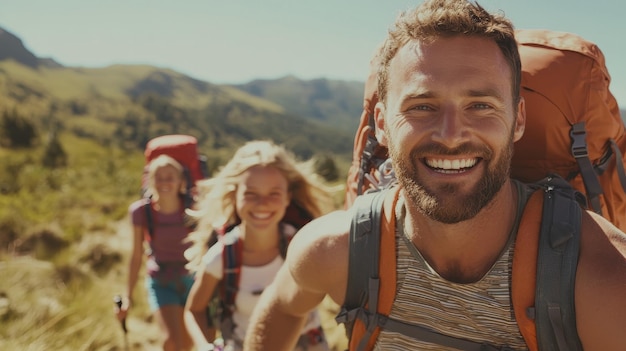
x: 481, y: 106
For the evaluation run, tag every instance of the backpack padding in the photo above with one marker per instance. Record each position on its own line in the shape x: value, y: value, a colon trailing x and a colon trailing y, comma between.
x: 232, y: 257
x: 559, y: 248
x: 523, y: 283
x: 373, y: 214
x: 364, y: 239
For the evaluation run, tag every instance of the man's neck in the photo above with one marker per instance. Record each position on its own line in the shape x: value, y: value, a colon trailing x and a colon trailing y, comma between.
x: 464, y: 252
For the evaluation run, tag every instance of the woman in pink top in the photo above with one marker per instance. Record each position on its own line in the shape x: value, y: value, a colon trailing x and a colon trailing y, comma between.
x: 160, y: 222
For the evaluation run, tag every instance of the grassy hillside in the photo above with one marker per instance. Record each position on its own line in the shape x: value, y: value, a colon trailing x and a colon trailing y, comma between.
x: 64, y: 233
x: 127, y: 105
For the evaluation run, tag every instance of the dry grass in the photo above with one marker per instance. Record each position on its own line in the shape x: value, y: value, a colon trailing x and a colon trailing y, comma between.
x: 336, y: 334
x: 68, y: 306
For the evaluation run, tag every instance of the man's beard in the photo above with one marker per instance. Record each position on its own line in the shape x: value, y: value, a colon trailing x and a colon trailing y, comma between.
x: 445, y: 203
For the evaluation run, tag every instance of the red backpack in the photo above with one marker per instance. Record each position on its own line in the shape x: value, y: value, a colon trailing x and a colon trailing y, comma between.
x: 184, y: 149
x: 573, y: 125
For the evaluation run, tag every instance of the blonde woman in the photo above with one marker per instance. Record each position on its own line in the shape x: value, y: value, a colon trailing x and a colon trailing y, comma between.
x: 250, y: 196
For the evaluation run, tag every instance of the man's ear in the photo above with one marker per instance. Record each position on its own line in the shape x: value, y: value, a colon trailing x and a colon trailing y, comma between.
x: 520, y: 120
x: 379, y: 121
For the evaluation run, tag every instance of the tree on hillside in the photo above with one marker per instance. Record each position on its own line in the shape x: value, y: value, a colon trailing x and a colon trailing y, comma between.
x: 16, y: 130
x: 54, y: 155
x: 326, y: 167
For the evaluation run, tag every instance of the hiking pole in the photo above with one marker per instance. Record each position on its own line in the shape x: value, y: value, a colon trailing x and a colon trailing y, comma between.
x: 117, y: 299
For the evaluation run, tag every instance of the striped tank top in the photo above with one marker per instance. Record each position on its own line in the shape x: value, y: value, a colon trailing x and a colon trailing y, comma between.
x: 480, y: 312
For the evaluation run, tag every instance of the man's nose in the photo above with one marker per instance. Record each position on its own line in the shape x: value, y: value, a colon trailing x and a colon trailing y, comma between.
x: 453, y: 128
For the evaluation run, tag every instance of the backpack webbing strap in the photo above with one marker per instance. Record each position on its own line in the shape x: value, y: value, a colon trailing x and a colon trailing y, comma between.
x: 364, y: 247
x: 364, y: 250
x: 149, y: 220
x: 619, y: 163
x: 581, y: 155
x: 559, y: 246
x: 232, y: 257
x: 232, y: 261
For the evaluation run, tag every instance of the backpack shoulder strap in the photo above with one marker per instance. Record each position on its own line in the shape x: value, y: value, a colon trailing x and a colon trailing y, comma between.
x: 544, y: 267
x: 232, y: 258
x: 149, y: 217
x: 364, y: 247
x: 372, y: 245
x: 232, y: 261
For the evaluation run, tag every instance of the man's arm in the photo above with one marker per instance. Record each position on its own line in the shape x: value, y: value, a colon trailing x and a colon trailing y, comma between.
x: 601, y: 286
x: 316, y: 266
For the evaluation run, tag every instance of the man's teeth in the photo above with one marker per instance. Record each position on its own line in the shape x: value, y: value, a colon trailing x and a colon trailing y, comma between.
x: 451, y: 164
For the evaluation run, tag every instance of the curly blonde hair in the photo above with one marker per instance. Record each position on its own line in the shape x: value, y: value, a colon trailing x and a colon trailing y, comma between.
x: 216, y: 205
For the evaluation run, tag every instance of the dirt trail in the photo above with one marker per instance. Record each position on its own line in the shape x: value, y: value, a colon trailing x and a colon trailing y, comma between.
x: 142, y: 331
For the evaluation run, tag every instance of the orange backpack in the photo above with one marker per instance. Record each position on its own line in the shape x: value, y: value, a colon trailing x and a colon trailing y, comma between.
x: 573, y: 130
x: 573, y: 125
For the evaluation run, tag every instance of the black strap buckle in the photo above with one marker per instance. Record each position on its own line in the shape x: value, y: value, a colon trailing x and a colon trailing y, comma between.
x: 579, y: 140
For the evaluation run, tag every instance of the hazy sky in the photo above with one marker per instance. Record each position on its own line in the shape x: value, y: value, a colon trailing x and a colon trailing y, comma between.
x: 234, y: 41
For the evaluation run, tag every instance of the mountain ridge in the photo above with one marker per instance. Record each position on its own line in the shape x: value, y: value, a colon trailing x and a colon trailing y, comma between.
x: 130, y: 104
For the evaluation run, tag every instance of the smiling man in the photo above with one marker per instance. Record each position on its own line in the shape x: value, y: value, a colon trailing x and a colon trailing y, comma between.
x: 449, y: 111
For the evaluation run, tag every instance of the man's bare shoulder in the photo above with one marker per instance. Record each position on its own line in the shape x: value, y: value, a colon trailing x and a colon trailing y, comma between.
x: 601, y: 285
x: 318, y: 254
x: 603, y: 248
x: 324, y: 230
x: 598, y: 233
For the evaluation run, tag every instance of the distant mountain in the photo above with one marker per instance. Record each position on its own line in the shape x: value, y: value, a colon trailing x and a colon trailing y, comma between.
x: 11, y: 47
x: 129, y: 104
x: 333, y: 102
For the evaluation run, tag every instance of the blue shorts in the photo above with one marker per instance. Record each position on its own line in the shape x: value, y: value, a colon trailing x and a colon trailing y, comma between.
x: 168, y: 292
